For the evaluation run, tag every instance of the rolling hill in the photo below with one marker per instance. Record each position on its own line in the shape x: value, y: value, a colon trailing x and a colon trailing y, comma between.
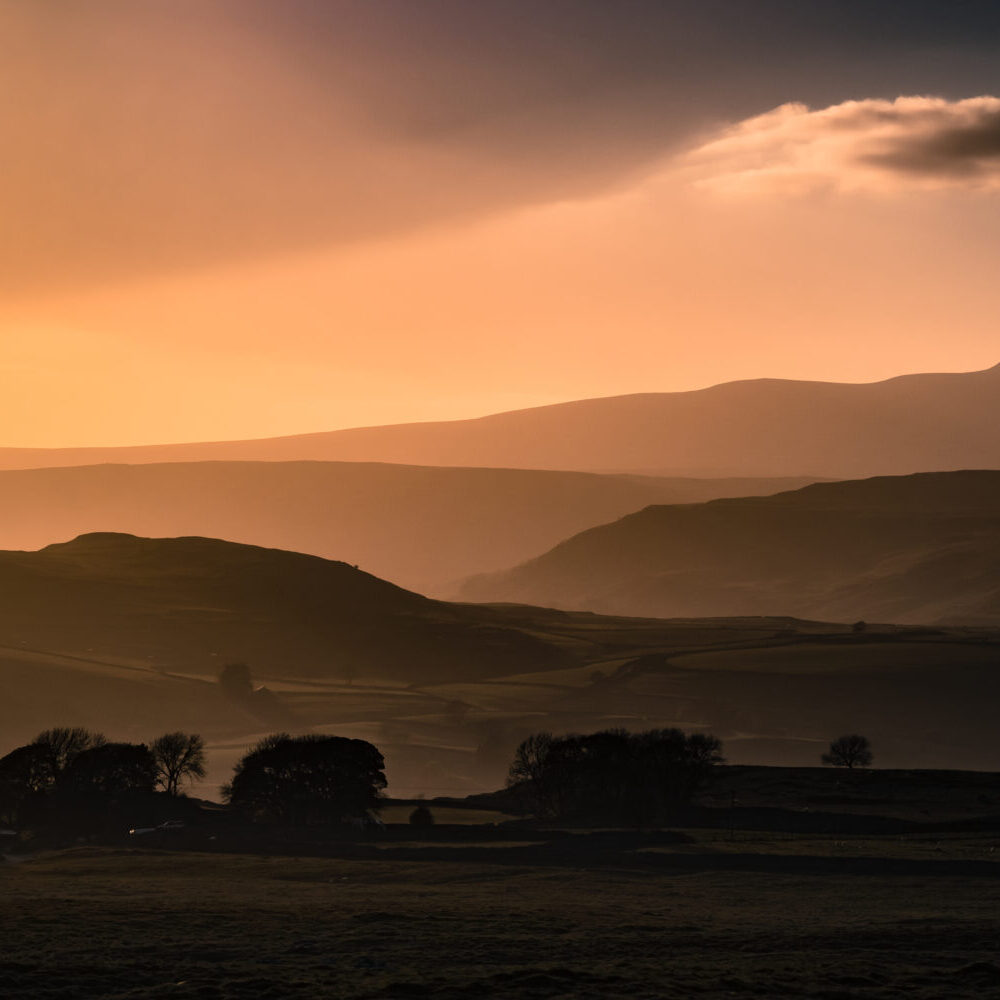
x: 914, y: 549
x: 763, y: 427
x: 128, y: 635
x: 423, y: 528
x: 192, y: 604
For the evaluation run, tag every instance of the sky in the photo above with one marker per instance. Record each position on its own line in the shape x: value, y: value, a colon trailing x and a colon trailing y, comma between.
x: 246, y: 218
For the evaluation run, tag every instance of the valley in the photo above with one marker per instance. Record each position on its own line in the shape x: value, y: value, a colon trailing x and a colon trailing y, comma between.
x: 128, y: 636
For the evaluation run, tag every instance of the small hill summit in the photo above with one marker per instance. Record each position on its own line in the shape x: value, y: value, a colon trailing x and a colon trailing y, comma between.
x: 291, y: 579
x: 183, y: 601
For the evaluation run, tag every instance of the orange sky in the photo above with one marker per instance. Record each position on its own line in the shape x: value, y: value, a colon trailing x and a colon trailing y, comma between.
x: 208, y: 240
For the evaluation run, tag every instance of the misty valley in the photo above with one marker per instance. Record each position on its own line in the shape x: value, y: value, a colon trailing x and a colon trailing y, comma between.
x: 499, y: 499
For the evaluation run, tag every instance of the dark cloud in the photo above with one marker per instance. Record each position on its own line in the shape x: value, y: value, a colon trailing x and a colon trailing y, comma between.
x: 146, y: 137
x: 871, y: 145
x: 969, y: 150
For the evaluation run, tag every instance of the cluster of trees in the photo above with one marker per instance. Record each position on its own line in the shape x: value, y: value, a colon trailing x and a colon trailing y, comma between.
x: 308, y: 780
x: 614, y: 775
x: 78, y: 774
x: 77, y: 779
x: 611, y: 776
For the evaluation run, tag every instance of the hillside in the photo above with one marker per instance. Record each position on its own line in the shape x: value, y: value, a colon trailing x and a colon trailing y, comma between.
x: 763, y: 427
x: 127, y: 635
x: 913, y: 549
x: 191, y: 604
x: 423, y: 528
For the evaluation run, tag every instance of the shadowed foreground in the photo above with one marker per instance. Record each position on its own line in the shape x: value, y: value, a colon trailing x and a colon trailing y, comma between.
x: 90, y: 923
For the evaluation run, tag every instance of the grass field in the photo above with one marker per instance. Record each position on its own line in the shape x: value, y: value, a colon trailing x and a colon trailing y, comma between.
x: 751, y: 916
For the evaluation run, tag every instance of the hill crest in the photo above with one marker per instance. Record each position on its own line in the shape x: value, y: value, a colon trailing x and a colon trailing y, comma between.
x: 916, y: 549
x: 758, y: 427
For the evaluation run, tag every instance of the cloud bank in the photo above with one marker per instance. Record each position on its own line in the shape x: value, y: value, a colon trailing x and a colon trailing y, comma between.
x: 864, y: 146
x: 174, y: 135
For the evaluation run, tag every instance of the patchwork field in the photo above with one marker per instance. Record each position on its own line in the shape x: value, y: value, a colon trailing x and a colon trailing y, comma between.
x: 776, y: 691
x: 127, y: 636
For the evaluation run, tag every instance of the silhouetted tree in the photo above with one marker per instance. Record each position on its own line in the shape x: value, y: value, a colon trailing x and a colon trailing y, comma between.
x: 849, y: 751
x: 671, y: 769
x: 25, y: 776
x: 179, y: 757
x: 30, y: 773
x: 613, y: 774
x: 63, y: 745
x: 109, y: 770
x: 101, y: 788
x: 72, y: 777
x: 308, y: 779
x: 421, y: 816
x: 533, y: 773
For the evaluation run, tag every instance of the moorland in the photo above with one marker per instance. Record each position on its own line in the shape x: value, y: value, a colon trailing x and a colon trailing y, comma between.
x: 865, y: 919
x: 891, y: 891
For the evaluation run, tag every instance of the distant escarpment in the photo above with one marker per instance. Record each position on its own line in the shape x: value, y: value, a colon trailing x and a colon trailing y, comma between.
x: 423, y: 528
x: 912, y: 549
x: 759, y: 427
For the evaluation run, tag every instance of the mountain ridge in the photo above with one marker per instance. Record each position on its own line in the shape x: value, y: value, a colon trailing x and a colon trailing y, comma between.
x: 922, y: 548
x: 423, y: 528
x: 758, y: 427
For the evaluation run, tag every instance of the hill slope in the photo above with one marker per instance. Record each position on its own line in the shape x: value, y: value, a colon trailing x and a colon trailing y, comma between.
x: 923, y: 548
x: 127, y: 635
x: 191, y: 604
x: 424, y: 528
x: 765, y: 427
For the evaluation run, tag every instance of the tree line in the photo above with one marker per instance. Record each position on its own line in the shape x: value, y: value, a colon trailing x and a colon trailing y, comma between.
x: 75, y: 777
x: 613, y: 775
x: 77, y: 774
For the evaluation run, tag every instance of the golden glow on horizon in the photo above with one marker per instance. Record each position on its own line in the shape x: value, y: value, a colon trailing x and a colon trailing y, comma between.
x: 655, y: 288
x: 321, y: 240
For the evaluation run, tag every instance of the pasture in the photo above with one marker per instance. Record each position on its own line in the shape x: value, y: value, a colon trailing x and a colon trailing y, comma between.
x: 750, y: 915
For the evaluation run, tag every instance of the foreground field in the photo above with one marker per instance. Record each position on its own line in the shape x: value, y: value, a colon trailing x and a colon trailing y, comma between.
x: 719, y: 918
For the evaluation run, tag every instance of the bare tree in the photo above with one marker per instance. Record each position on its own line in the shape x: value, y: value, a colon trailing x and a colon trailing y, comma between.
x: 62, y: 745
x: 178, y: 756
x: 531, y: 773
x: 849, y: 751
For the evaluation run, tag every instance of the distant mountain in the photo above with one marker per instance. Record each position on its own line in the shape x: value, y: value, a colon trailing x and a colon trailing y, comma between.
x: 922, y: 548
x: 423, y: 528
x: 128, y: 635
x: 764, y: 427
